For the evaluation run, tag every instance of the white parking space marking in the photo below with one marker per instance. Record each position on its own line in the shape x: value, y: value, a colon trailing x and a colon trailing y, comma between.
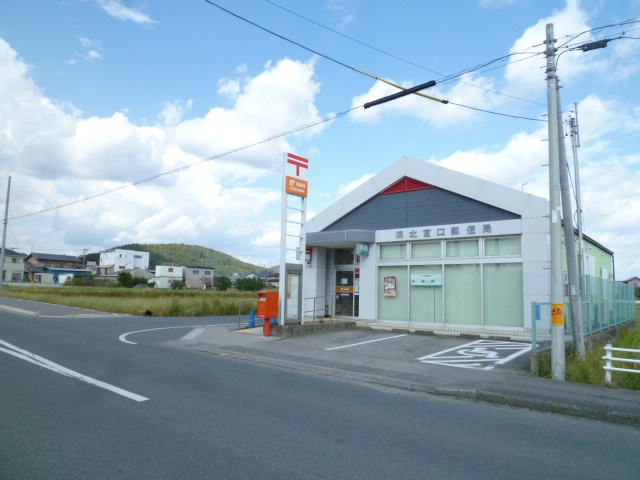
x: 193, y: 334
x: 43, y: 362
x: 363, y: 343
x: 481, y: 354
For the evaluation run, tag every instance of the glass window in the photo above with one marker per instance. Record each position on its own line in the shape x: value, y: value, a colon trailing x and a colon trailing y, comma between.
x: 196, y: 272
x: 343, y: 257
x: 502, y: 246
x: 503, y: 302
x: 463, y: 300
x: 426, y: 250
x: 207, y: 272
x: 462, y: 248
x: 396, y: 251
x: 426, y: 293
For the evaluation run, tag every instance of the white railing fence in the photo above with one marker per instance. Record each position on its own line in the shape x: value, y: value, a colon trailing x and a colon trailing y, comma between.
x: 609, y: 358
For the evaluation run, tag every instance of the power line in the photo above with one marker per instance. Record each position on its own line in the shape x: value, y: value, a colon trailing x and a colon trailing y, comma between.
x: 384, y: 52
x: 186, y: 167
x: 446, y: 78
x: 497, y: 113
x: 279, y: 135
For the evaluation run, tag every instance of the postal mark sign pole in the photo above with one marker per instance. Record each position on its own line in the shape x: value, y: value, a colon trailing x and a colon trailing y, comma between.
x: 294, y: 216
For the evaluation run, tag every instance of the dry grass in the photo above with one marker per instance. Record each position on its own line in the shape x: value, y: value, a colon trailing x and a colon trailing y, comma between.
x: 164, y: 303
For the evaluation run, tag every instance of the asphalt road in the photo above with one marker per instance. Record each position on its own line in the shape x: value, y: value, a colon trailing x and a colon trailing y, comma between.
x: 213, y: 417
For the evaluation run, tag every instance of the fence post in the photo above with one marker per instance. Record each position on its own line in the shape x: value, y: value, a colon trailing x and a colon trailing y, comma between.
x: 608, y: 353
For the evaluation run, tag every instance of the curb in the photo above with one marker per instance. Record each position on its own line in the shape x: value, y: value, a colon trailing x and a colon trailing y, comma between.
x: 563, y: 408
x: 469, y: 393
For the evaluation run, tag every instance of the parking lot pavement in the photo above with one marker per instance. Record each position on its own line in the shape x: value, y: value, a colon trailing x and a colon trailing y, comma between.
x: 484, y: 370
x: 379, y: 356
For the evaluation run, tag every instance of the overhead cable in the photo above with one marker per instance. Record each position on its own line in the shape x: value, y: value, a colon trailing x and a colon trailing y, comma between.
x: 327, y: 57
x: 409, y: 62
x: 191, y: 165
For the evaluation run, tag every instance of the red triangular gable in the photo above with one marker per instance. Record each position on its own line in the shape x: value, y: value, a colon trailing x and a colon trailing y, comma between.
x: 406, y: 184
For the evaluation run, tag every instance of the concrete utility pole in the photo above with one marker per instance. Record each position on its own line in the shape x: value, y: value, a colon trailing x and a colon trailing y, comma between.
x: 555, y: 229
x: 570, y: 243
x: 4, y: 234
x: 575, y: 143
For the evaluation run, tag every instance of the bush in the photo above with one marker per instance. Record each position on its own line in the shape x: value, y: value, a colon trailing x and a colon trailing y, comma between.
x: 125, y: 279
x: 250, y: 284
x: 222, y: 283
x: 177, y: 284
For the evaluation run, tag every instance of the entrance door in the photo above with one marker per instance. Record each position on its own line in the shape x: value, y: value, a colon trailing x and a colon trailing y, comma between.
x: 347, y: 297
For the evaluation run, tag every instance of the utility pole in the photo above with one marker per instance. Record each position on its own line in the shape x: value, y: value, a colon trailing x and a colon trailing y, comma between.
x: 4, y: 234
x: 555, y: 230
x: 575, y: 143
x: 570, y: 243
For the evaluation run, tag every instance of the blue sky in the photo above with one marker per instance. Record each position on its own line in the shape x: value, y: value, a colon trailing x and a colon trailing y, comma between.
x: 95, y: 94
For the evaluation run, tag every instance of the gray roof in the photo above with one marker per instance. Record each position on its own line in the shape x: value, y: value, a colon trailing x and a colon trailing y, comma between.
x: 13, y: 253
x: 55, y: 258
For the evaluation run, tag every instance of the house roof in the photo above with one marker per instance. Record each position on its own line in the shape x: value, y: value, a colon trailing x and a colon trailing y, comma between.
x: 13, y: 253
x: 32, y: 268
x: 428, y: 175
x: 197, y: 266
x: 55, y: 258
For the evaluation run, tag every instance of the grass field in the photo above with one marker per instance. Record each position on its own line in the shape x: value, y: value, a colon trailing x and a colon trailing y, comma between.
x: 163, y: 303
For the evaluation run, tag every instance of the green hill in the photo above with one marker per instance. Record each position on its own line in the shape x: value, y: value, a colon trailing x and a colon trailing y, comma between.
x: 179, y: 253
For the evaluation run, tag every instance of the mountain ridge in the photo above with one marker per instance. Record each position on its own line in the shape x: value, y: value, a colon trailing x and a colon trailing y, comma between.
x: 180, y: 253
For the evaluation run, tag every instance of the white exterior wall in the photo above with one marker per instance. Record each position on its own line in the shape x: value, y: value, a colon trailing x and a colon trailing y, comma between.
x: 165, y: 274
x: 125, y: 259
x: 169, y: 271
x: 533, y: 228
x: 13, y: 266
x: 314, y: 284
x: 368, y: 284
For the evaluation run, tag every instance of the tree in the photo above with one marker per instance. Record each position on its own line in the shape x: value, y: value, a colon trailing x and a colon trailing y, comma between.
x: 125, y: 279
x: 250, y: 284
x: 222, y: 283
x: 177, y: 284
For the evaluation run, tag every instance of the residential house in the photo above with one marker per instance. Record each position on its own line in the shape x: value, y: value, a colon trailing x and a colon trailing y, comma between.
x: 635, y: 281
x: 37, y: 274
x: 44, y: 260
x: 198, y: 276
x: 13, y: 268
x: 46, y: 268
x: 117, y: 259
x: 166, y: 274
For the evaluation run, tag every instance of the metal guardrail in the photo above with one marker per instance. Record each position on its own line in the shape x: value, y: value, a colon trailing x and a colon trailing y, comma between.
x: 317, y: 306
x: 608, y: 367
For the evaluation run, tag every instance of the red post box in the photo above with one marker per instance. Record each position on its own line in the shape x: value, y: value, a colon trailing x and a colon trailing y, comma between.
x: 267, y: 309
